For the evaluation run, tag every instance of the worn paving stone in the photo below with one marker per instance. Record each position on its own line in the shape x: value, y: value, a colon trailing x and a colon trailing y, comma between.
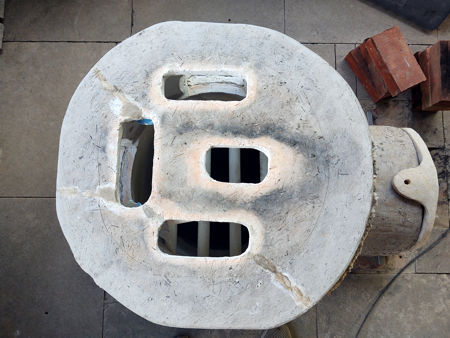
x: 367, y: 105
x: 43, y: 291
x: 305, y: 325
x: 444, y: 29
x: 324, y: 50
x: 418, y: 48
x: 121, y: 322
x: 446, y: 117
x: 340, y: 313
x: 82, y: 20
x: 345, y: 21
x: 37, y: 81
x: 440, y: 159
x: 429, y: 125
x: 389, y: 264
x: 361, y: 93
x: 415, y: 305
x: 266, y: 13
x: 395, y: 113
x: 398, y: 113
x: 2, y: 29
x: 342, y: 66
x: 437, y: 260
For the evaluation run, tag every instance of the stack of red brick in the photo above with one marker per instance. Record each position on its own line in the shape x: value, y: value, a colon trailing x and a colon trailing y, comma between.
x: 385, y: 66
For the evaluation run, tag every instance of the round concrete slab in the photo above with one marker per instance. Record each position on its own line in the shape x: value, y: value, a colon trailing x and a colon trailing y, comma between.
x: 305, y: 219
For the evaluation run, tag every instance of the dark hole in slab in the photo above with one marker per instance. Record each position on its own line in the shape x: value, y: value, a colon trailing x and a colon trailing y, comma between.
x: 204, y: 87
x: 248, y: 165
x: 136, y: 162
x: 180, y: 238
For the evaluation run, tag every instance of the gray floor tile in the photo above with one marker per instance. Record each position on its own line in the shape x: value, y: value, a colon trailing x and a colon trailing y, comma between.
x: 82, y: 20
x: 398, y: 113
x: 266, y: 13
x: 346, y: 21
x: 2, y: 29
x: 44, y: 293
x: 437, y: 260
x: 324, y: 50
x: 393, y: 113
x: 121, y: 322
x: 444, y: 30
x: 37, y: 81
x: 368, y: 105
x: 429, y: 126
x: 342, y: 66
x: 446, y: 116
x: 440, y: 159
x: 415, y: 306
x: 305, y: 325
x: 418, y: 48
x: 340, y: 313
x: 391, y: 264
x: 361, y: 93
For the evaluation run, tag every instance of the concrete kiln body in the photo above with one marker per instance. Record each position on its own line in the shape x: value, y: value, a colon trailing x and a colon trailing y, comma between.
x: 306, y: 218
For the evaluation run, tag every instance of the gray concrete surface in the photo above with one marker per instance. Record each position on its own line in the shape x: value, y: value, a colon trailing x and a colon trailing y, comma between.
x: 43, y: 292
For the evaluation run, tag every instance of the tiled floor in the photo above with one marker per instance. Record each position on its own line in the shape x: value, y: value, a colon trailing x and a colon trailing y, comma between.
x: 49, y: 46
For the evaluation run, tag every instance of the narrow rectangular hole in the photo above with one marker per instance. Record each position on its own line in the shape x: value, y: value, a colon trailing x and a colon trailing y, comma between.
x: 205, y: 87
x: 136, y: 162
x: 236, y: 165
x: 180, y: 238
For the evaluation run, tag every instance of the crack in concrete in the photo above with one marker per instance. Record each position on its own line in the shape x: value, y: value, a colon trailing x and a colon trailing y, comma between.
x: 284, y: 281
x: 130, y: 107
x: 104, y: 192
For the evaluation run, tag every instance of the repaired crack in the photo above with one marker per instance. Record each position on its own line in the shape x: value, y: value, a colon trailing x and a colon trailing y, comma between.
x: 283, y: 280
x: 130, y: 107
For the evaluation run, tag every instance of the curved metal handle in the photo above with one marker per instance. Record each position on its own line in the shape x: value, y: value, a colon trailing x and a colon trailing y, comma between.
x: 420, y: 184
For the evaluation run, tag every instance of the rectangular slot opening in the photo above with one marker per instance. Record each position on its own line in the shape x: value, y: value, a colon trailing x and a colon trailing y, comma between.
x: 203, y: 239
x: 136, y: 162
x: 205, y: 87
x: 236, y: 165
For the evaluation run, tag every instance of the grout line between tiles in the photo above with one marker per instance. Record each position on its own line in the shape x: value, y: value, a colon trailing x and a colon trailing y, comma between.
x: 132, y: 17
x: 103, y: 314
x: 335, y: 57
x: 5, y: 197
x: 56, y: 41
x: 118, y: 41
x: 317, y: 320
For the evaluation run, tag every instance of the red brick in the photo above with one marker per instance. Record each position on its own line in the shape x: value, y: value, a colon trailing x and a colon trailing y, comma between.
x: 385, y: 65
x: 402, y: 70
x: 371, y: 84
x: 435, y: 91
